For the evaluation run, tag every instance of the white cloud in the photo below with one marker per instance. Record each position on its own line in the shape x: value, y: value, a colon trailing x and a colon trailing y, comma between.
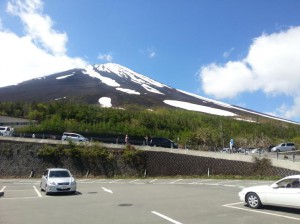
x: 149, y: 52
x: 226, y: 54
x: 40, y: 51
x: 271, y: 66
x: 106, y: 57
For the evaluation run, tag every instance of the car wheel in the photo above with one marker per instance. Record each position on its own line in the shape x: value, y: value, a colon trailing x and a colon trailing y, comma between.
x: 253, y: 200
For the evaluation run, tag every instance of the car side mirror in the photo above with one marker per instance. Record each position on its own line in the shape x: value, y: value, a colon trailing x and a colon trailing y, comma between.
x: 274, y: 186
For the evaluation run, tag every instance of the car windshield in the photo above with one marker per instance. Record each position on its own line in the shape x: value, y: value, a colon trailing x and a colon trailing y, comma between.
x: 59, y: 173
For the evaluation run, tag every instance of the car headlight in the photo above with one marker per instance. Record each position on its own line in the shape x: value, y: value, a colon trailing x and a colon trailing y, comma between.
x: 73, y: 182
x: 52, y: 183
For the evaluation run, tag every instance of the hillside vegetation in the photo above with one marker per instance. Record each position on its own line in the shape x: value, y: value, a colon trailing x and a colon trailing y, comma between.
x: 198, y: 130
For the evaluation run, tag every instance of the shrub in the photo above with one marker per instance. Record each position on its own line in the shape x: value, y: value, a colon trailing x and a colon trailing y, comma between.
x: 262, y: 166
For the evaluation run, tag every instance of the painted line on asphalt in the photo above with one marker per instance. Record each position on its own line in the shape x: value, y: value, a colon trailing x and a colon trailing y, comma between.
x: 37, y: 192
x: 165, y: 217
x: 3, y: 188
x: 134, y: 181
x: 229, y: 185
x: 257, y: 211
x: 228, y: 181
x: 20, y: 198
x: 107, y: 190
x: 115, y: 181
x: 152, y: 181
x: 201, y: 181
x: 175, y: 181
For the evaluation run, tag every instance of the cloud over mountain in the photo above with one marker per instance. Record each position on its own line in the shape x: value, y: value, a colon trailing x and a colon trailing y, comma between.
x: 272, y: 66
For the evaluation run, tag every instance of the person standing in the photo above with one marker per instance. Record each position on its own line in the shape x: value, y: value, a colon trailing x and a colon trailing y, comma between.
x: 146, y: 140
x: 126, y: 140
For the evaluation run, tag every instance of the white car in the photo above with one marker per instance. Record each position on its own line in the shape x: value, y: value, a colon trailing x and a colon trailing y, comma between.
x: 285, y: 192
x: 56, y: 180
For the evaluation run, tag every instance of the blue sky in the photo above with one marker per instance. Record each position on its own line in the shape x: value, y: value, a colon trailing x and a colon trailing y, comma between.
x: 245, y: 53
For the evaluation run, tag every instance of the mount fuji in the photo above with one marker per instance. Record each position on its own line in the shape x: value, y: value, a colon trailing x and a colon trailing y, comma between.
x: 113, y: 85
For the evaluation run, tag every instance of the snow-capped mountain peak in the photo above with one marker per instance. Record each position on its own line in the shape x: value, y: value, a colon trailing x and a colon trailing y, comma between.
x: 113, y: 85
x: 127, y: 73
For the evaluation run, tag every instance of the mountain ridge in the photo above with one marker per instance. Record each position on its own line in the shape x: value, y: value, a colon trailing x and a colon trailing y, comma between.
x: 113, y: 85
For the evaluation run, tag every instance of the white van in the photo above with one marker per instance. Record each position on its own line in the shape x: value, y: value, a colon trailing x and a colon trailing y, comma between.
x: 287, y: 146
x: 73, y: 137
x: 6, y: 131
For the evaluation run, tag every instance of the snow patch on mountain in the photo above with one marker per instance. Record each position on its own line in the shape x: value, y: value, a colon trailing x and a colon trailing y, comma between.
x: 105, y: 102
x: 199, y: 108
x: 237, y: 108
x: 129, y: 91
x: 150, y: 89
x: 65, y: 76
x: 89, y: 70
x: 207, y: 100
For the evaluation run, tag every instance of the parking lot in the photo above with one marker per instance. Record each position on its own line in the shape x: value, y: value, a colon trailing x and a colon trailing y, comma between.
x: 137, y: 201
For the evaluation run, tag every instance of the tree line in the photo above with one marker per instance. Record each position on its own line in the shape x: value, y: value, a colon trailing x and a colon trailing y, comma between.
x: 197, y: 130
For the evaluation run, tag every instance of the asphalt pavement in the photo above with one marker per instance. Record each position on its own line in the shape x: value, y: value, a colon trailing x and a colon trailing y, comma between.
x: 131, y: 201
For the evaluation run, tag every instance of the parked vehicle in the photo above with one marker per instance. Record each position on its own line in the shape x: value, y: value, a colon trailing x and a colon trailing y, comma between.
x: 257, y: 150
x: 73, y: 137
x: 6, y: 131
x: 288, y: 146
x: 285, y: 192
x: 56, y: 180
x: 225, y: 150
x: 162, y: 142
x: 243, y: 150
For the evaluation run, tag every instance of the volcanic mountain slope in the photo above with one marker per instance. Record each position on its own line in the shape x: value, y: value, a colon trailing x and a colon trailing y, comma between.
x: 113, y: 85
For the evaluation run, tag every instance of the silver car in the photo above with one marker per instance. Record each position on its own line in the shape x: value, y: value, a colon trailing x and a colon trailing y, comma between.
x: 73, y: 137
x: 56, y: 180
x: 287, y: 146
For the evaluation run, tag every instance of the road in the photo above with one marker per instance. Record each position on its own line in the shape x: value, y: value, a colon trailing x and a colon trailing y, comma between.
x: 131, y: 201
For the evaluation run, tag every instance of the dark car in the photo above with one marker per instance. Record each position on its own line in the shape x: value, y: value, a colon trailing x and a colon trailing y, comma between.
x: 163, y: 142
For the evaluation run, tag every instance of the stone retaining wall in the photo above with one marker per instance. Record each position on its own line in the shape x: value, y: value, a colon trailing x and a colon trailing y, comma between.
x: 19, y: 158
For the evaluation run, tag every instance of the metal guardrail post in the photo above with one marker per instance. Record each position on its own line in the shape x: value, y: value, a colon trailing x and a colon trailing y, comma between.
x: 294, y: 155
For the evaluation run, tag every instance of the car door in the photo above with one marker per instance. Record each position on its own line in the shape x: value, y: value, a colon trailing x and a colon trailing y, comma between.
x: 289, y: 196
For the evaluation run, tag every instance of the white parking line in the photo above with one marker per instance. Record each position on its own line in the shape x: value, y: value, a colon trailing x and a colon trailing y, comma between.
x: 152, y: 181
x: 228, y: 181
x: 115, y: 181
x: 2, y: 189
x: 19, y: 198
x: 165, y: 217
x: 200, y: 182
x: 134, y: 181
x: 37, y: 192
x: 173, y: 182
x: 257, y: 211
x: 107, y: 190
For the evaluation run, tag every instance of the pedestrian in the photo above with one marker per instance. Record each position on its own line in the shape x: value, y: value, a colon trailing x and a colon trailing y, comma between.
x: 126, y: 140
x: 146, y: 140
